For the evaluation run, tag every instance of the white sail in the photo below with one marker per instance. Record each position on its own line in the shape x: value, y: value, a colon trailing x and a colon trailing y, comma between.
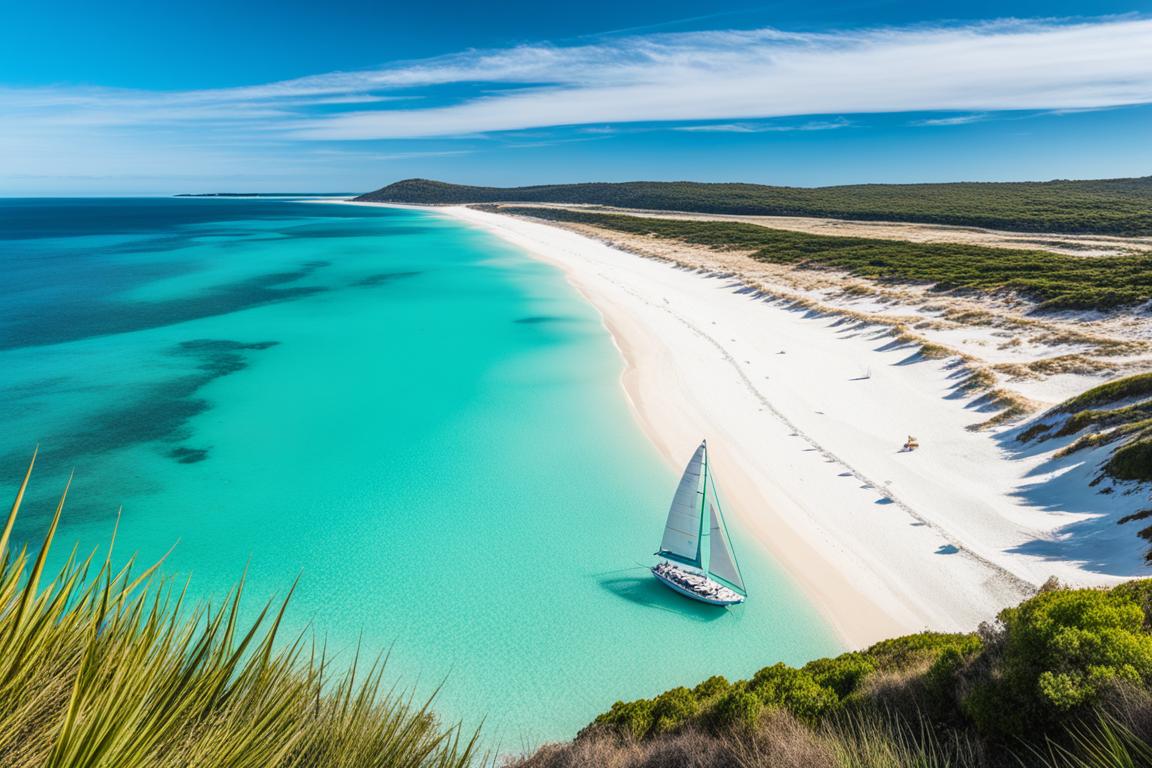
x: 682, y: 531
x: 721, y: 561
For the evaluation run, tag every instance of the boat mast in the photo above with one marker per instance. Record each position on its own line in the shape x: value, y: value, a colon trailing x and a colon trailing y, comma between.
x: 705, y: 527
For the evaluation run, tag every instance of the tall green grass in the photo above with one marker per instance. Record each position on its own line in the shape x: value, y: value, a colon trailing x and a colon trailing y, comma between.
x: 106, y: 666
x: 1106, y: 744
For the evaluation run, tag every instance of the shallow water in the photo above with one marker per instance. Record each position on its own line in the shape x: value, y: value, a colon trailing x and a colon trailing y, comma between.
x: 420, y: 421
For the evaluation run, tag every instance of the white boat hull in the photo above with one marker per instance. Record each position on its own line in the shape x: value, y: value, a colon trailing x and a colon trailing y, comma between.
x: 712, y: 593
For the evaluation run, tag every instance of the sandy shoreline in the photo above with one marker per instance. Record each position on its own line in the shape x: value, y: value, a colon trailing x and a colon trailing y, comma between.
x: 806, y: 414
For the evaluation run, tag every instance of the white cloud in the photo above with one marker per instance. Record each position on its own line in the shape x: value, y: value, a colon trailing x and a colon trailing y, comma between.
x: 687, y: 76
x: 767, y: 73
x: 734, y: 79
x: 811, y: 125
x: 955, y: 120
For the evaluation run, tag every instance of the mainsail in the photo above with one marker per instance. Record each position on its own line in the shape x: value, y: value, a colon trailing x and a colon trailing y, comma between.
x: 694, y: 539
x: 681, y: 540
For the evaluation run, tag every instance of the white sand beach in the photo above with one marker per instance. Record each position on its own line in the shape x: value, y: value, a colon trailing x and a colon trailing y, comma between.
x: 806, y: 413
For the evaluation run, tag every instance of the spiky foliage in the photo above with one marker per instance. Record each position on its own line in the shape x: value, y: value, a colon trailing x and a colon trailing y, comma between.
x: 101, y: 667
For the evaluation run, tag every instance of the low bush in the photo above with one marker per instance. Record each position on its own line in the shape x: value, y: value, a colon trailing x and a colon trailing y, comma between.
x: 1054, y: 658
x: 1110, y: 392
x: 1032, y: 688
x: 1054, y: 281
x: 1132, y: 461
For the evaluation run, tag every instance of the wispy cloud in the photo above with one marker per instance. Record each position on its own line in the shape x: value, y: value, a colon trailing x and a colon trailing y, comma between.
x: 767, y: 73
x: 724, y: 75
x: 954, y: 120
x: 717, y: 81
x: 811, y: 125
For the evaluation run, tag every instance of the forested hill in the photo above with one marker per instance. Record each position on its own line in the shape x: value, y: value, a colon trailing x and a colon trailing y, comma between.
x: 1109, y: 206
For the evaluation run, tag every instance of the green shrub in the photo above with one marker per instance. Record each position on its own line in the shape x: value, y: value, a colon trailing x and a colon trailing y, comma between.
x: 1060, y: 659
x: 715, y: 686
x: 739, y: 708
x: 1139, y: 385
x: 672, y: 709
x: 911, y: 650
x: 842, y: 674
x: 1054, y: 656
x: 1132, y: 461
x: 793, y: 689
x: 633, y: 718
x: 1138, y: 591
x: 1137, y: 416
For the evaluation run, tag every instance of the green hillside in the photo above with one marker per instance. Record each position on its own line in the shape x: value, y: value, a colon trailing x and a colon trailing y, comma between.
x: 1109, y: 206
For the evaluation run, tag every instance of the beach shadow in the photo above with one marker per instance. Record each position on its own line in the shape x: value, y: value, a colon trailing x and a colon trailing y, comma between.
x: 1087, y: 509
x: 646, y: 591
x: 893, y: 345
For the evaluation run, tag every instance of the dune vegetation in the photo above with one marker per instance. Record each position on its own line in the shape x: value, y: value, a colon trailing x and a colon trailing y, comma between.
x: 1053, y: 280
x: 1064, y: 679
x: 1109, y: 206
x: 102, y: 666
x: 1116, y: 413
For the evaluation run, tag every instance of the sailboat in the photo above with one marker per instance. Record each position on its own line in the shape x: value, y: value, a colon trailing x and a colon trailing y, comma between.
x: 698, y: 561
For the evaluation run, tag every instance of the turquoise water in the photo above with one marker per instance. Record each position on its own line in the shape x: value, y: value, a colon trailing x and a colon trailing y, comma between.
x: 422, y: 423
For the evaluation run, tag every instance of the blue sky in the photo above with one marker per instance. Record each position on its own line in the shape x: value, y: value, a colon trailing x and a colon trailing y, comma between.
x: 145, y: 97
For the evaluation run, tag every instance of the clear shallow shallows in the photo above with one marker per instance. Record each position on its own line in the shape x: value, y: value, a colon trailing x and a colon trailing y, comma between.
x: 420, y: 421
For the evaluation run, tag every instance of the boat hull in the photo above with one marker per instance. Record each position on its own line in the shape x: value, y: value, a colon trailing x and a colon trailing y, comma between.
x: 703, y: 598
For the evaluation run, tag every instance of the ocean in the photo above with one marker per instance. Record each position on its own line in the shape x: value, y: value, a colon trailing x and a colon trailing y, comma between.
x: 420, y: 422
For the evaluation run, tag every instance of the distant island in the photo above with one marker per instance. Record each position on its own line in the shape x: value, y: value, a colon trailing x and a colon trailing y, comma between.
x: 1106, y: 206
